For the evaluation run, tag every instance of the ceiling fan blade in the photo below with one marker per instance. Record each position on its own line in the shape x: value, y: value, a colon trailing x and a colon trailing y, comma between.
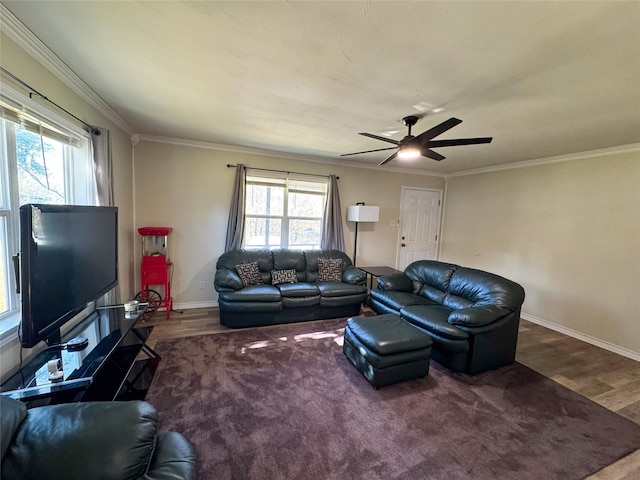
x: 425, y: 152
x: 367, y: 151
x: 457, y: 141
x: 384, y: 139
x: 438, y: 129
x: 389, y: 159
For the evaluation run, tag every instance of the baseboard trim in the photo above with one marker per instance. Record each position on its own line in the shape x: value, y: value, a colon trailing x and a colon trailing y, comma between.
x: 582, y: 336
x: 188, y: 305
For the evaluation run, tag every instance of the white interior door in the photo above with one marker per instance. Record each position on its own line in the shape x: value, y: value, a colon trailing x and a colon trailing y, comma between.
x: 419, y: 226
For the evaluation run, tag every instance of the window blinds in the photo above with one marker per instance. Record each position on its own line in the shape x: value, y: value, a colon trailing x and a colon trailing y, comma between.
x: 32, y: 122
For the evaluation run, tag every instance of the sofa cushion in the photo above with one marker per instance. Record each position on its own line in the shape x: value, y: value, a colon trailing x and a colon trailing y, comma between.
x: 455, y: 302
x: 312, y: 257
x: 250, y: 306
x: 483, y: 289
x: 329, y: 269
x: 477, y: 316
x: 299, y: 289
x: 396, y: 300
x: 249, y: 273
x: 434, y: 319
x: 436, y: 275
x: 253, y: 293
x: 339, y: 289
x: 290, y: 260
x: 283, y: 276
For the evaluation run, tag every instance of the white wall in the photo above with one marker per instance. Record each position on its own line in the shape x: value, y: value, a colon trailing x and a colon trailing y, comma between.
x: 189, y: 188
x: 569, y: 232
x: 22, y: 65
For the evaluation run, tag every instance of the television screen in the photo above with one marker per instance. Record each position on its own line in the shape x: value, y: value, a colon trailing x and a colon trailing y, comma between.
x: 69, y: 257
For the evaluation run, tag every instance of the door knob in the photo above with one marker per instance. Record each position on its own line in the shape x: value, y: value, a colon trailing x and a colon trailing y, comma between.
x: 402, y: 245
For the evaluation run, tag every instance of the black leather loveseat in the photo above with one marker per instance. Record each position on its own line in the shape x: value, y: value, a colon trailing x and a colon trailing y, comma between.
x: 90, y: 441
x: 264, y: 287
x: 471, y: 315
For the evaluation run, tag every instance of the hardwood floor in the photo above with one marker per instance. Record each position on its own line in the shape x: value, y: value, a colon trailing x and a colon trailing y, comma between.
x: 609, y: 379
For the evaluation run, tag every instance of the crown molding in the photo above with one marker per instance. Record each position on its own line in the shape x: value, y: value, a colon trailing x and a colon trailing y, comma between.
x: 138, y: 138
x: 634, y: 147
x: 13, y: 28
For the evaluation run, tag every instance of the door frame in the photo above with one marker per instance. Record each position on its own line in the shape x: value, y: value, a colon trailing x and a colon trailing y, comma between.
x: 440, y: 192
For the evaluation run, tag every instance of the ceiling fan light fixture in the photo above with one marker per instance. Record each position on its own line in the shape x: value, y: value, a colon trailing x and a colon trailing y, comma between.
x: 411, y: 147
x: 408, y: 153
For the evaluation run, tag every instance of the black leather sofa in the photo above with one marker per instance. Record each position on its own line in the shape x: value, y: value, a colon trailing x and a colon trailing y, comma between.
x: 472, y: 316
x: 305, y: 295
x: 93, y: 440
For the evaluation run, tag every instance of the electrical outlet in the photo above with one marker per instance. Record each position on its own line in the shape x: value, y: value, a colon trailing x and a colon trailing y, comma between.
x: 203, y: 284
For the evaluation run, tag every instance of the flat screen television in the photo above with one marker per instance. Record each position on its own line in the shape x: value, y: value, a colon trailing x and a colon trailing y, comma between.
x: 68, y: 257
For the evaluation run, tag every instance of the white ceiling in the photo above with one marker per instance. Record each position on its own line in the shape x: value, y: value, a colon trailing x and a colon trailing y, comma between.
x: 543, y: 78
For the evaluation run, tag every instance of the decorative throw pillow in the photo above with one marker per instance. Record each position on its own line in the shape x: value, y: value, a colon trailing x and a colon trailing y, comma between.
x: 329, y: 269
x: 249, y: 273
x: 283, y: 276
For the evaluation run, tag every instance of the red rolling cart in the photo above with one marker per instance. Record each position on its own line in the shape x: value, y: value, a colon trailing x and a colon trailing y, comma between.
x: 156, y: 268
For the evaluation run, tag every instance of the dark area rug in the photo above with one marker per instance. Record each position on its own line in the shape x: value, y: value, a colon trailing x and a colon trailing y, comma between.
x: 283, y: 402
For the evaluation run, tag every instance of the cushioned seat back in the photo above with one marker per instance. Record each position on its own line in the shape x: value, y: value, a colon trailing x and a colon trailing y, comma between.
x: 226, y: 274
x: 291, y: 260
x: 94, y: 440
x: 430, y: 278
x: 475, y: 288
x: 312, y: 257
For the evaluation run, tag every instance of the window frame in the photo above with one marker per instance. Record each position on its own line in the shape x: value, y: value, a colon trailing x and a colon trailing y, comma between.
x: 76, y: 191
x: 284, y: 180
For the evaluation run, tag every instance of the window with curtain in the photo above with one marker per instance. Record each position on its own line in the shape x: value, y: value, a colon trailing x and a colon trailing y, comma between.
x: 284, y: 212
x: 41, y: 161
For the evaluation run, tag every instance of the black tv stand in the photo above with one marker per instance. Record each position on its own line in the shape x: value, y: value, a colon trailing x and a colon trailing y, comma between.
x: 116, y: 365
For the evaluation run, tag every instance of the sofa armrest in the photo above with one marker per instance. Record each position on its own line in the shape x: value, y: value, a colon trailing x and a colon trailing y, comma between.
x: 227, y: 280
x: 173, y: 459
x: 12, y: 414
x: 395, y: 281
x: 477, y: 316
x: 353, y: 275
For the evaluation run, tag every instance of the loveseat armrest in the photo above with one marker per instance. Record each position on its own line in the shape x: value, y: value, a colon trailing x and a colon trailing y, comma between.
x: 227, y: 280
x: 477, y: 316
x: 354, y: 275
x: 395, y: 281
x: 173, y: 459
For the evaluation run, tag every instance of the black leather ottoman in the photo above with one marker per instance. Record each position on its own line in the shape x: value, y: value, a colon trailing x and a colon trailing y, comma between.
x: 386, y: 349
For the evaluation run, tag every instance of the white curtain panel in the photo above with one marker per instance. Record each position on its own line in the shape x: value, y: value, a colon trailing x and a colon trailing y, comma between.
x: 103, y: 174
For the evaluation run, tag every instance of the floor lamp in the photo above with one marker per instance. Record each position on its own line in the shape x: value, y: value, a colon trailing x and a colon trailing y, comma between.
x: 361, y: 213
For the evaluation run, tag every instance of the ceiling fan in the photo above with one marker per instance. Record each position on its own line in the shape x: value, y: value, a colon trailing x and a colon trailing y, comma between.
x: 413, y: 147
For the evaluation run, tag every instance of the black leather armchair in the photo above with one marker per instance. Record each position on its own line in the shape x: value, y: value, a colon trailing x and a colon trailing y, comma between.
x: 471, y: 315
x: 90, y: 441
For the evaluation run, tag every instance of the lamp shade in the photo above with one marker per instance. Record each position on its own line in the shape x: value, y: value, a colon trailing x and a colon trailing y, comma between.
x: 363, y: 213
